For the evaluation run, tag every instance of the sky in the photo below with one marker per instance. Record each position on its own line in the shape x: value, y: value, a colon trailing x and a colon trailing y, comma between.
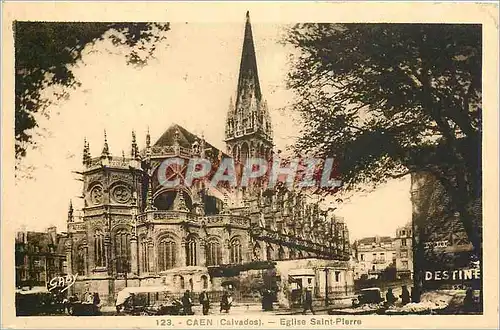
x: 189, y: 82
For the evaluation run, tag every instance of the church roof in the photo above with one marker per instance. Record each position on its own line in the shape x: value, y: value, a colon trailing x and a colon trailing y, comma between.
x: 185, y: 139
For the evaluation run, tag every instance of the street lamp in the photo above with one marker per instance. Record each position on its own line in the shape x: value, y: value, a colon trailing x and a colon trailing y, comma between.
x: 326, y: 286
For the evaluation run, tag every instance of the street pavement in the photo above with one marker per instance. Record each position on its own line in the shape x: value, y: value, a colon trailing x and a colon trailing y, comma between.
x: 237, y: 309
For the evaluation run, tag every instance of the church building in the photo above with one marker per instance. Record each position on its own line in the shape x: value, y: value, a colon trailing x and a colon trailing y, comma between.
x: 134, y: 231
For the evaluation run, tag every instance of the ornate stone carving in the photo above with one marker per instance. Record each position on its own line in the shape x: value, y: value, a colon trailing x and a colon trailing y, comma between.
x: 77, y: 226
x: 96, y: 195
x: 118, y: 176
x: 121, y: 219
x: 121, y: 194
x: 92, y: 179
x: 97, y: 223
x: 124, y: 211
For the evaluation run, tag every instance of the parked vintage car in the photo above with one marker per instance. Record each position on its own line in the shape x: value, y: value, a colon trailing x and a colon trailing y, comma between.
x: 38, y: 301
x: 148, y: 301
x: 368, y: 296
x: 89, y: 305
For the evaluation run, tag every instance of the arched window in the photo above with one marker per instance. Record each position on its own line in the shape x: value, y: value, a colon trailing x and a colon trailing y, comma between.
x: 213, y: 253
x: 269, y: 252
x: 122, y: 251
x: 204, y: 281
x: 235, y: 252
x: 245, y: 151
x: 99, y: 252
x: 191, y: 285
x: 281, y: 253
x: 167, y: 251
x: 144, y: 255
x: 181, y: 282
x: 191, y: 251
x: 257, y: 252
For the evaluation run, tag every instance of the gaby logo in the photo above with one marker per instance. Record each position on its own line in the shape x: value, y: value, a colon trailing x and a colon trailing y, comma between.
x: 303, y: 173
x: 62, y: 282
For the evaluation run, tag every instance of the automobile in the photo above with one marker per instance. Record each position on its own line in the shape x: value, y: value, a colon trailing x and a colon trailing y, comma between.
x: 79, y: 308
x: 368, y: 296
x: 148, y: 301
x: 37, y: 301
x: 88, y: 306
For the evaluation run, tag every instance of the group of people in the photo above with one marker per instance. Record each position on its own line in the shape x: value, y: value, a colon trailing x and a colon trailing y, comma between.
x: 390, y: 298
x: 187, y: 303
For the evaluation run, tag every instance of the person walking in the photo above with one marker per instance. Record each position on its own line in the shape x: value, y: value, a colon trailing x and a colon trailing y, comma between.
x: 224, y: 302
x: 405, y: 295
x: 267, y: 300
x: 390, y: 298
x: 205, y: 302
x: 229, y: 301
x: 187, y: 303
x: 308, y: 300
x: 469, y: 300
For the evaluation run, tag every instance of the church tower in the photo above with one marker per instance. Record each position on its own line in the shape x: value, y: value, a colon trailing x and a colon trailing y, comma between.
x: 248, y: 124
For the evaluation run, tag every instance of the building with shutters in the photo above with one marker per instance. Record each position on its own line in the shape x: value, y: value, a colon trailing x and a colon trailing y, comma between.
x: 373, y: 255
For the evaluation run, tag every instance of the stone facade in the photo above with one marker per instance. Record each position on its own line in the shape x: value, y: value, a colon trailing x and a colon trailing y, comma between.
x: 374, y: 255
x: 135, y: 231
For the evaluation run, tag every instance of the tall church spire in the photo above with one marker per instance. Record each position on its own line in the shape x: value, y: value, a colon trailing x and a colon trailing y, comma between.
x: 248, y: 81
x: 248, y: 124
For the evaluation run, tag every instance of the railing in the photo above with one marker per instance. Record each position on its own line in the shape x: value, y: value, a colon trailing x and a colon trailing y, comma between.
x: 222, y: 220
x: 180, y: 216
x: 160, y: 216
x: 167, y: 151
x: 334, y: 291
x: 77, y: 226
x: 119, y: 162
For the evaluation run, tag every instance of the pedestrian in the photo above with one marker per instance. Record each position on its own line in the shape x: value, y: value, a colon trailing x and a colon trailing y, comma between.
x: 405, y: 295
x: 229, y: 301
x: 96, y: 300
x: 85, y: 296
x: 205, y: 302
x: 187, y: 303
x: 225, y: 302
x: 267, y: 303
x: 468, y: 300
x: 390, y: 298
x: 414, y: 297
x: 308, y: 300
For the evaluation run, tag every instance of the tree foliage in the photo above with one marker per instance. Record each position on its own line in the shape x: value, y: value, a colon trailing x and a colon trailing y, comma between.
x: 46, y: 51
x: 387, y: 100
